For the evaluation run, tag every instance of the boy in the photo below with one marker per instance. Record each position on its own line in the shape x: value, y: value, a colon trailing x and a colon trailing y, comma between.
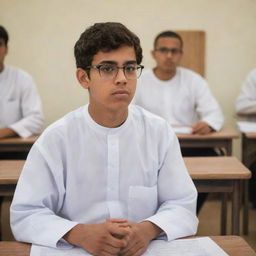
x: 107, y: 177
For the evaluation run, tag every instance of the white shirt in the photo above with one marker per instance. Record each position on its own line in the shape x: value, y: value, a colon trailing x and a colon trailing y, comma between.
x: 180, y: 100
x: 81, y: 172
x: 246, y: 101
x: 20, y: 105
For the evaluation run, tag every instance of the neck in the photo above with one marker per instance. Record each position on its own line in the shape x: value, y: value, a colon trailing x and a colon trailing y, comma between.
x: 109, y: 118
x: 164, y: 74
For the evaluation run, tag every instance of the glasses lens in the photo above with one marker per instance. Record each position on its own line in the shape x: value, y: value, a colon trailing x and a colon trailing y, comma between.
x: 132, y: 71
x: 107, y: 71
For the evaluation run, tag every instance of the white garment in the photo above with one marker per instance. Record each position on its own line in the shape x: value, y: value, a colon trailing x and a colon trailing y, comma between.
x: 246, y: 101
x: 180, y: 100
x: 20, y: 105
x: 81, y: 172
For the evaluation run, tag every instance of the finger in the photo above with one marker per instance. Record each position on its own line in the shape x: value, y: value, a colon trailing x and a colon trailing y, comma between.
x: 111, y: 250
x: 205, y: 130
x: 196, y: 128
x: 116, y: 242
x: 115, y: 230
x: 117, y: 220
x: 199, y: 129
x: 129, y: 246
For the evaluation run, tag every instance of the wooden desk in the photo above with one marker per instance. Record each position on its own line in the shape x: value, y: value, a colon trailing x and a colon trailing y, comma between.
x: 210, y: 174
x: 9, y: 174
x: 219, y: 174
x: 221, y: 139
x: 17, y: 144
x: 232, y: 245
x: 248, y: 158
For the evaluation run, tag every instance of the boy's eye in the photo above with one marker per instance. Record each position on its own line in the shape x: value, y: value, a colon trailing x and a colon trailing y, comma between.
x: 130, y: 68
x: 107, y: 69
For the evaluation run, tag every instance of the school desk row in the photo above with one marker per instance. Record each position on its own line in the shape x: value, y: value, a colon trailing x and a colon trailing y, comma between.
x: 210, y: 175
x: 222, y: 139
x: 232, y: 245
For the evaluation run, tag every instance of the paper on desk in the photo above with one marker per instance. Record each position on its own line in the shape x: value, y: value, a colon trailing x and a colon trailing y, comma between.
x: 37, y: 250
x: 204, y: 246
x: 245, y: 126
x: 183, y: 247
x: 182, y: 129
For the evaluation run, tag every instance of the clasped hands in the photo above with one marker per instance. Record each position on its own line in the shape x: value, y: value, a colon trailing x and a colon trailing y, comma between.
x: 117, y: 237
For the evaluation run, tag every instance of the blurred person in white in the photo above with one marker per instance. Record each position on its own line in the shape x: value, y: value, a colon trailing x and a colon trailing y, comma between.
x: 179, y: 95
x: 246, y: 107
x: 20, y: 105
x: 107, y: 177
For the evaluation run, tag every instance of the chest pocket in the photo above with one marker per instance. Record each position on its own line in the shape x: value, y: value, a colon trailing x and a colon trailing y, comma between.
x: 10, y: 111
x: 142, y: 202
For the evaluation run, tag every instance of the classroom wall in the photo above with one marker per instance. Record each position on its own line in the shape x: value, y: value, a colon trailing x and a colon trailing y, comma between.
x: 43, y: 33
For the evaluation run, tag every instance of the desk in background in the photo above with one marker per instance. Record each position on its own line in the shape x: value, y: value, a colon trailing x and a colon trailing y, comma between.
x: 9, y: 174
x: 17, y: 144
x: 232, y: 245
x: 221, y: 139
x: 222, y: 175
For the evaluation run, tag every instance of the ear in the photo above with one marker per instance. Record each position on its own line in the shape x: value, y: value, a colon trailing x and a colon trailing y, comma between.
x: 153, y: 52
x: 82, y: 78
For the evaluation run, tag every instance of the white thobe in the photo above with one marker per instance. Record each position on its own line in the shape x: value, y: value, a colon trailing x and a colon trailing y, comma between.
x: 246, y: 101
x: 181, y: 100
x: 20, y: 105
x: 81, y: 172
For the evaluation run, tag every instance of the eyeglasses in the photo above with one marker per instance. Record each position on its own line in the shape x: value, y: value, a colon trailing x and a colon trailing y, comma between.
x: 108, y: 71
x: 165, y: 50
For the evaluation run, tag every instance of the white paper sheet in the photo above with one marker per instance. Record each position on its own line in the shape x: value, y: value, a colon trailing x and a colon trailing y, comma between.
x: 204, y: 246
x: 182, y: 129
x: 245, y: 126
x: 183, y: 247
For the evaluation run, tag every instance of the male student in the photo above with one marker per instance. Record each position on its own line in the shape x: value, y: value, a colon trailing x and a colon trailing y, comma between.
x: 246, y: 106
x: 20, y: 105
x: 179, y: 95
x: 107, y: 177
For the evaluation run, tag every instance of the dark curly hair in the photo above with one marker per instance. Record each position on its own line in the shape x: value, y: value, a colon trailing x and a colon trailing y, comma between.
x: 104, y: 37
x: 4, y: 34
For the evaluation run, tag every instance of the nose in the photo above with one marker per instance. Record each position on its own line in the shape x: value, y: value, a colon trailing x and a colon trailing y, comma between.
x: 120, y: 77
x: 169, y: 54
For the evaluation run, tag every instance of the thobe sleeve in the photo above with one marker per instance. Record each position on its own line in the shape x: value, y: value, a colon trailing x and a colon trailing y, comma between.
x: 38, y: 198
x: 177, y: 196
x: 207, y: 107
x: 246, y: 101
x: 31, y: 109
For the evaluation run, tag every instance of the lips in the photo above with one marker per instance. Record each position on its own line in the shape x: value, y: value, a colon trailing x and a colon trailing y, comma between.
x: 120, y: 92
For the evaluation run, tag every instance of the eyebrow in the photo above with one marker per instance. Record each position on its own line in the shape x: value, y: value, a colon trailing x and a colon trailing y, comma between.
x: 115, y: 63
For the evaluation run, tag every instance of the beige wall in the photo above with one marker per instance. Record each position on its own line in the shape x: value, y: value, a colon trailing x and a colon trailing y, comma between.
x: 43, y: 33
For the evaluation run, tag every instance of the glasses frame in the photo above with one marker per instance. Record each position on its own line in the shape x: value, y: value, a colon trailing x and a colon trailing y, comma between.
x: 165, y: 50
x: 138, y: 67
